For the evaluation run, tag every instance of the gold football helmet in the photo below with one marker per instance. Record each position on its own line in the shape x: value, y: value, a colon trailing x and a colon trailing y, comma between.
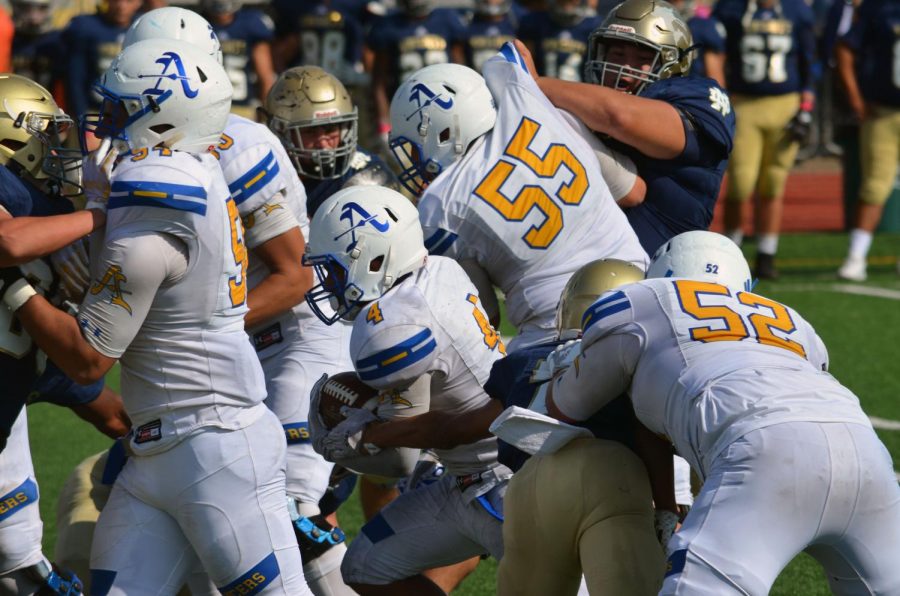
x: 587, y: 284
x: 305, y: 97
x: 653, y: 24
x: 33, y: 130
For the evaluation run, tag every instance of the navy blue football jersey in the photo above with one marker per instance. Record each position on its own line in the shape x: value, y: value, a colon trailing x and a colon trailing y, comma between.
x: 90, y: 44
x: 875, y: 36
x: 327, y: 37
x: 770, y: 52
x: 682, y: 192
x: 485, y: 38
x: 558, y: 51
x: 20, y: 364
x: 510, y: 382
x: 365, y: 169
x: 39, y: 58
x: 413, y: 44
x: 709, y: 35
x: 238, y: 39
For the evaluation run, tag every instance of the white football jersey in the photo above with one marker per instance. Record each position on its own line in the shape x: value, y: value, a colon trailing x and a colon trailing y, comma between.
x: 186, y: 360
x: 432, y: 322
x: 527, y: 202
x: 708, y: 365
x: 263, y: 182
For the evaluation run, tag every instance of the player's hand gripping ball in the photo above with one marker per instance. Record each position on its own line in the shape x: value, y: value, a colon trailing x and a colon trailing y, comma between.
x: 344, y: 390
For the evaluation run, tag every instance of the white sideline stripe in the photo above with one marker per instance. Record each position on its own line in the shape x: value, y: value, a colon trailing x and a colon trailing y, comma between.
x: 858, y: 290
x: 884, y: 424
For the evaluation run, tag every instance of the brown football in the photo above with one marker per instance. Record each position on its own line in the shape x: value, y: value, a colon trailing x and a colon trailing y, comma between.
x: 344, y: 389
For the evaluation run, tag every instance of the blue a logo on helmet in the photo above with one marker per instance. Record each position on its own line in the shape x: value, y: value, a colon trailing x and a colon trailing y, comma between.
x: 347, y: 213
x: 170, y: 59
x: 424, y: 97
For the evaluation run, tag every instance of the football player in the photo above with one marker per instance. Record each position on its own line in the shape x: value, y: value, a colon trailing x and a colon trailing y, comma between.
x: 507, y: 187
x: 709, y: 39
x: 770, y: 56
x: 492, y: 25
x: 34, y: 220
x: 313, y: 115
x: 293, y: 346
x: 246, y: 37
x: 420, y: 336
x: 677, y: 129
x: 91, y: 41
x: 416, y: 36
x: 37, y: 52
x: 739, y: 383
x: 168, y: 299
x: 558, y: 37
x: 869, y: 51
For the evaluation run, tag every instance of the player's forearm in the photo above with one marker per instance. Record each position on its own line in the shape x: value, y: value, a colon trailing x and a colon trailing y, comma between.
x: 656, y: 453
x: 25, y: 238
x: 844, y: 60
x: 59, y: 336
x: 652, y: 127
x: 635, y: 196
x: 276, y: 294
x: 265, y: 72
x: 714, y: 64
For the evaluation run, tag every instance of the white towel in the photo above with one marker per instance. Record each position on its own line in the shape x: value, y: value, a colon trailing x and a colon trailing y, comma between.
x: 535, y: 433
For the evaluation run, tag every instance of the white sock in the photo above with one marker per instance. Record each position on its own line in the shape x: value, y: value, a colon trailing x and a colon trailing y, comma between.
x: 860, y: 241
x: 768, y: 244
x: 737, y: 236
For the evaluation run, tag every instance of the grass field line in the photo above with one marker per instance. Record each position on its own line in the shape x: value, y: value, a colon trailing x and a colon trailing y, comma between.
x: 858, y: 290
x: 884, y: 423
x: 830, y: 262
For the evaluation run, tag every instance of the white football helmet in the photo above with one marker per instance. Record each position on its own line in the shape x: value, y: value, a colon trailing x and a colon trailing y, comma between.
x: 171, y: 22
x: 162, y: 92
x: 362, y: 240
x: 435, y: 115
x: 702, y: 256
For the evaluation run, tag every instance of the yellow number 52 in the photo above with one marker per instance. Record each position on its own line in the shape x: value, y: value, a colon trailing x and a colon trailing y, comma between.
x: 534, y: 197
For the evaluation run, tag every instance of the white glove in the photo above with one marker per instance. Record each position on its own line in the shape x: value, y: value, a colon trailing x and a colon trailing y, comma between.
x: 342, y: 442
x: 666, y: 522
x: 71, y: 264
x: 39, y: 275
x: 96, y: 170
x: 558, y: 360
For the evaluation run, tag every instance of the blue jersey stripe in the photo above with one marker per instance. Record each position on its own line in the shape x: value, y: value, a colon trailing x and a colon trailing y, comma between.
x: 18, y: 498
x: 255, y: 179
x: 168, y: 202
x: 604, y: 308
x: 397, y: 357
x: 140, y: 186
x: 255, y: 580
x: 511, y: 54
x: 440, y: 241
x: 296, y: 433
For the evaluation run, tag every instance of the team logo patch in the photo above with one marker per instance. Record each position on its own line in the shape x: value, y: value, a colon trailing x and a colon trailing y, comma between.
x: 351, y: 209
x: 173, y: 69
x: 622, y: 28
x: 152, y: 431
x: 326, y: 113
x: 424, y: 97
x: 393, y: 397
x: 113, y: 280
x: 268, y: 337
x: 268, y: 208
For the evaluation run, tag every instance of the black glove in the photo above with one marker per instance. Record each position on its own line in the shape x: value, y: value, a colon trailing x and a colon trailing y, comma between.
x: 799, y: 126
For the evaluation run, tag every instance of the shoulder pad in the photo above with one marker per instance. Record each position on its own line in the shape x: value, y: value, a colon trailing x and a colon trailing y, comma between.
x: 393, y: 341
x: 174, y: 180
x: 611, y: 310
x: 253, y: 176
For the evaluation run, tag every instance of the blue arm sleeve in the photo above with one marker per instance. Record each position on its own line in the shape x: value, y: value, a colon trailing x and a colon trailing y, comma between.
x: 56, y: 388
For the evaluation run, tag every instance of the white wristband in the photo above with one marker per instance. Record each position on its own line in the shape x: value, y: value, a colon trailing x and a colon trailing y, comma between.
x: 18, y: 294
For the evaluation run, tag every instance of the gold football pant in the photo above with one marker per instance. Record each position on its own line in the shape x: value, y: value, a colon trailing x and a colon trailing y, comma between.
x: 879, y: 145
x: 585, y: 509
x: 763, y: 152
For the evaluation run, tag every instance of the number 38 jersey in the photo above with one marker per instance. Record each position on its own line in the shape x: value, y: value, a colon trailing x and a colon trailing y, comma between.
x: 527, y: 202
x: 771, y: 50
x: 177, y: 326
x: 709, y: 364
x: 432, y: 322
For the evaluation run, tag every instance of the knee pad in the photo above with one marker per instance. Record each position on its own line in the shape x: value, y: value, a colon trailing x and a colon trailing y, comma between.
x: 316, y: 537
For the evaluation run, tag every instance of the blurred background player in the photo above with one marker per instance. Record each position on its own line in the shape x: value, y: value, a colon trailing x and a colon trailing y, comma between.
x: 91, y: 41
x: 758, y: 416
x: 709, y: 39
x: 492, y: 25
x: 769, y: 69
x: 678, y: 129
x: 246, y: 36
x: 507, y: 188
x: 37, y: 52
x: 557, y: 37
x: 415, y: 36
x: 314, y: 117
x: 868, y: 62
x: 420, y: 337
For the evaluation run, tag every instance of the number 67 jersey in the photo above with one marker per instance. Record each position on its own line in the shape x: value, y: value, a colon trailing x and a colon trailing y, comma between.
x: 708, y: 364
x: 527, y: 202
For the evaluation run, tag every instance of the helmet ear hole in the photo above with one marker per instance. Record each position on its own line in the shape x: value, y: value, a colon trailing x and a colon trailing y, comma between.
x: 161, y: 128
x: 444, y: 136
x: 376, y: 263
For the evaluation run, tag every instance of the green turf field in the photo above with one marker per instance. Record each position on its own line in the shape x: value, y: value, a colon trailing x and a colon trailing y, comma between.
x: 860, y: 324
